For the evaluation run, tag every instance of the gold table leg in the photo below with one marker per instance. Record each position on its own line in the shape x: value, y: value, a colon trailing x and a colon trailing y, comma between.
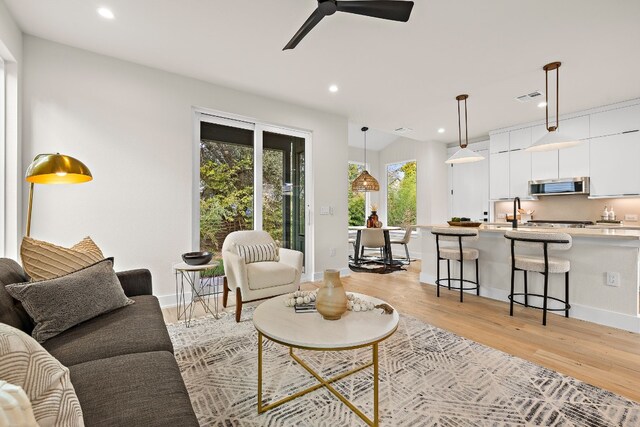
x: 322, y: 382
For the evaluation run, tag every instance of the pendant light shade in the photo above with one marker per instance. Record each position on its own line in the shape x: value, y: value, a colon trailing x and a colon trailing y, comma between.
x: 553, y: 140
x: 365, y: 182
x: 464, y: 154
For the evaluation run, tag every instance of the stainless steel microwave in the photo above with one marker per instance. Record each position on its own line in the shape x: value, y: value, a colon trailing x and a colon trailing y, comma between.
x: 556, y: 187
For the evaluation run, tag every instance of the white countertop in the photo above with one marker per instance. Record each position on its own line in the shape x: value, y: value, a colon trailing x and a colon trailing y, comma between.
x: 310, y: 330
x: 607, y: 232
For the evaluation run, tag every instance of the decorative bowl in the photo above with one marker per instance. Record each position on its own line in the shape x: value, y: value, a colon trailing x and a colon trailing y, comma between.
x: 197, y: 258
x: 464, y: 223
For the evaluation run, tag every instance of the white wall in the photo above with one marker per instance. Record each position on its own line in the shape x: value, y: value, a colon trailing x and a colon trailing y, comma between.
x: 10, y: 154
x: 133, y: 127
x: 432, y: 182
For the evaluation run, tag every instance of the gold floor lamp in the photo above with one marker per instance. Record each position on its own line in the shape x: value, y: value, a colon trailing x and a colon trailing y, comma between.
x: 54, y: 169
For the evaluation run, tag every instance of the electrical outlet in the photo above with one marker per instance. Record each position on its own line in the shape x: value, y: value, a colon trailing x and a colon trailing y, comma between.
x: 612, y: 279
x: 325, y: 210
x: 332, y: 251
x: 631, y: 217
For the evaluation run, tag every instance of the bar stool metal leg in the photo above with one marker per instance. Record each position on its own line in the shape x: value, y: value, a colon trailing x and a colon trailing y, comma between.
x: 566, y: 294
x: 438, y: 277
x: 526, y: 289
x: 461, y: 277
x: 449, y: 274
x: 477, y: 279
x: 513, y: 277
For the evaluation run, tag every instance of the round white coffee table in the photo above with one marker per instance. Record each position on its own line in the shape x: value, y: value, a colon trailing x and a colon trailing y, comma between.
x: 309, y: 331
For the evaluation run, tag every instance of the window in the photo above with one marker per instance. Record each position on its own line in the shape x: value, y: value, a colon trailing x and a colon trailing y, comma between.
x: 401, y: 193
x: 356, y: 201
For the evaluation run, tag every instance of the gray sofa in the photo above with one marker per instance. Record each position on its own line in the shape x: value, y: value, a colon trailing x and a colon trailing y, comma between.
x: 121, y: 363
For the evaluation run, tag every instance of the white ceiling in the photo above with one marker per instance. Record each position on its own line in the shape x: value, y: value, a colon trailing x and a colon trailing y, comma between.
x: 376, y: 139
x: 390, y: 74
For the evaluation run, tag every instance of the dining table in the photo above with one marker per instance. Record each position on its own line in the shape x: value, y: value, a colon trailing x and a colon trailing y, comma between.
x: 388, y: 254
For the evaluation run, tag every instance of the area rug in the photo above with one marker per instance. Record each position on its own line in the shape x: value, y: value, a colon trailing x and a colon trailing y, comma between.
x: 370, y: 266
x: 428, y: 377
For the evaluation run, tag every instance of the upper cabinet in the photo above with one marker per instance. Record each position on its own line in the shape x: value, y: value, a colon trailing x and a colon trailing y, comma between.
x: 519, y: 139
x: 519, y: 173
x: 499, y: 175
x: 614, y: 165
x: 615, y: 121
x: 565, y: 163
x: 499, y: 143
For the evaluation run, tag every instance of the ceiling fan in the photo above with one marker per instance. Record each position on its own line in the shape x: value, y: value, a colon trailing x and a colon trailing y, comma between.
x: 395, y: 10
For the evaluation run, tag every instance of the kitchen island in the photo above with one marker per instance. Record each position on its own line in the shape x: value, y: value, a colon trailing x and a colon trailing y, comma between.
x: 595, y: 252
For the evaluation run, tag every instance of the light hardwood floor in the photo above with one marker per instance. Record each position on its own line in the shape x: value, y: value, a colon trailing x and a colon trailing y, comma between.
x: 604, y: 357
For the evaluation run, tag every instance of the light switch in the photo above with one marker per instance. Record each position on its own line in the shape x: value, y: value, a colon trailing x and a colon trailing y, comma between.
x: 325, y: 210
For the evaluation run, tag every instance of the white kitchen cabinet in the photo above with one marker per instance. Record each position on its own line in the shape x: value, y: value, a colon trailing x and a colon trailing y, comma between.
x: 499, y: 176
x: 614, y: 167
x: 519, y: 173
x: 567, y: 162
x: 520, y: 139
x: 615, y: 121
x: 574, y: 162
x: 470, y: 188
x: 499, y: 143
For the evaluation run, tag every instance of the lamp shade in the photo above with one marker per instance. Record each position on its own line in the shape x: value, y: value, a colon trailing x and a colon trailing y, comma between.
x: 465, y: 155
x: 553, y: 140
x: 57, y: 169
x: 365, y: 182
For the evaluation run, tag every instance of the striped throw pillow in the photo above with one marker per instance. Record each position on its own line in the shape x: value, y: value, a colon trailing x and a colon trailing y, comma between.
x: 258, y: 253
x: 44, y: 260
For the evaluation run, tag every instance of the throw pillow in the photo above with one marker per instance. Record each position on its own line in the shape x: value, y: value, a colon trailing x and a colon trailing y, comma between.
x: 46, y: 381
x: 258, y: 253
x: 44, y: 260
x: 15, y: 408
x: 58, y: 304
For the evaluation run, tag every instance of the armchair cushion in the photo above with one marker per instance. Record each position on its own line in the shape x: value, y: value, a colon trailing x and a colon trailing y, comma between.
x: 268, y: 274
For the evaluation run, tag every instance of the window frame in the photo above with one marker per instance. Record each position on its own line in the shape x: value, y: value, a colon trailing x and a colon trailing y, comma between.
x: 367, y: 196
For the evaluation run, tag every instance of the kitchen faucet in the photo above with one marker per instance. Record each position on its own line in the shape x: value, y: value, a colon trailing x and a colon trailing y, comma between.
x: 514, y: 223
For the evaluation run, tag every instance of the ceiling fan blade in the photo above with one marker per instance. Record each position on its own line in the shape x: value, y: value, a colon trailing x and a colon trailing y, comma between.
x: 393, y: 10
x: 308, y: 25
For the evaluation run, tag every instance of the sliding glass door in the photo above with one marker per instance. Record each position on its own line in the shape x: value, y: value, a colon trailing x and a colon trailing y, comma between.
x: 252, y: 176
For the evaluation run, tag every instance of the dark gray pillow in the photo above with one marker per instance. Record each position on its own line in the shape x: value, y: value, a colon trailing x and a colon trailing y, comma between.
x: 58, y: 304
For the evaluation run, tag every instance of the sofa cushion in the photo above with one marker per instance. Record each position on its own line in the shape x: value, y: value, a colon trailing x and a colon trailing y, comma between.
x: 61, y: 303
x: 136, y: 328
x: 11, y: 311
x: 44, y: 260
x: 268, y: 274
x: 142, y: 389
x: 23, y: 362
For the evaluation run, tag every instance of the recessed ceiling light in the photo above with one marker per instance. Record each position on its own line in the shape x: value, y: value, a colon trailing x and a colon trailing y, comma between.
x: 542, y: 104
x: 333, y: 88
x: 106, y: 13
x: 441, y: 130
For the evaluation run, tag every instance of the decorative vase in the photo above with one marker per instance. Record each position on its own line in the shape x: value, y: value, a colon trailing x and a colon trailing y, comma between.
x: 372, y: 221
x: 331, y: 301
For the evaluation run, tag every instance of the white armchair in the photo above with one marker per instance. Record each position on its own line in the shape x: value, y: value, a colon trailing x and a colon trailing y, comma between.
x: 258, y: 280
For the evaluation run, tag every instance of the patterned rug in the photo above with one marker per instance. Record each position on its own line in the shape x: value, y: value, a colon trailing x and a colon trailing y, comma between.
x: 428, y: 377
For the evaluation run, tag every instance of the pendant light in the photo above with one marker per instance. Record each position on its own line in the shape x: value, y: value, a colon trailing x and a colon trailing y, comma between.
x: 553, y: 140
x: 365, y: 182
x: 464, y: 154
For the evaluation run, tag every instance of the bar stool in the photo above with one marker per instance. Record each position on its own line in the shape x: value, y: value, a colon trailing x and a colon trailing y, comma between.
x: 544, y: 265
x: 456, y: 253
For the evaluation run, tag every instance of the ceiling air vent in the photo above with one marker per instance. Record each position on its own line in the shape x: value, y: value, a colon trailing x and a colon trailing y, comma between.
x: 403, y: 130
x: 530, y: 96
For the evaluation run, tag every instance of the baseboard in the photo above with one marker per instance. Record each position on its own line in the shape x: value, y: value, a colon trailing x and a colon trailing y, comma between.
x: 318, y: 275
x: 578, y: 311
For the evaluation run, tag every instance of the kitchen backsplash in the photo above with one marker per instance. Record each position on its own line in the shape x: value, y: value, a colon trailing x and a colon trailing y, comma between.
x: 573, y: 208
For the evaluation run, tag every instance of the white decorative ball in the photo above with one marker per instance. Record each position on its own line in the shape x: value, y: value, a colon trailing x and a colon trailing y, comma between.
x: 306, y: 300
x: 356, y: 307
x: 312, y: 296
x: 299, y: 300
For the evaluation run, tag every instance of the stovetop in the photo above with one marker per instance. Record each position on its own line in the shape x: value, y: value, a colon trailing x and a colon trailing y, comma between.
x: 558, y: 223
